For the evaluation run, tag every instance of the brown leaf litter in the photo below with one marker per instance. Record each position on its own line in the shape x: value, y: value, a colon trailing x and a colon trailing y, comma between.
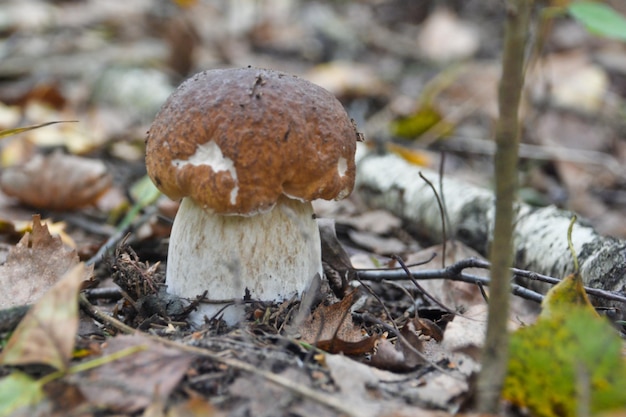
x: 47, y: 334
x: 34, y: 265
x: 57, y: 181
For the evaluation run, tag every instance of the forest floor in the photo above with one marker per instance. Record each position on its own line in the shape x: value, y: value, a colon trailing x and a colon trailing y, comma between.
x: 419, y: 79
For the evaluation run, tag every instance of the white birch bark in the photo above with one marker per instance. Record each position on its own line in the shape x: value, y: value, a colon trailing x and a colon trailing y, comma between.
x: 540, y: 238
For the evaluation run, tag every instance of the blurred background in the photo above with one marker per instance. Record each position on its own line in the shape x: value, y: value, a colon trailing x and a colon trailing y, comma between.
x: 419, y: 78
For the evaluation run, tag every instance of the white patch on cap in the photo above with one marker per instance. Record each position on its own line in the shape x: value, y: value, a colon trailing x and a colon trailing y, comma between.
x: 209, y: 154
x: 233, y: 195
x: 342, y: 166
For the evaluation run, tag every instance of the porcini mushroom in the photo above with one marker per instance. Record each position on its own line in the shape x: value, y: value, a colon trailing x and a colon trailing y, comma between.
x: 247, y: 150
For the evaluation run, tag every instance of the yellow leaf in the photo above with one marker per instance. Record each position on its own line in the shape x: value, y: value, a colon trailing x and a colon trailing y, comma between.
x: 570, y: 360
x: 185, y: 3
x: 420, y: 122
x: 568, y: 293
x: 414, y: 156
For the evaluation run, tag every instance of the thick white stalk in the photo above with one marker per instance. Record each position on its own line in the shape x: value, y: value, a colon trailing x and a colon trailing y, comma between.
x: 273, y: 255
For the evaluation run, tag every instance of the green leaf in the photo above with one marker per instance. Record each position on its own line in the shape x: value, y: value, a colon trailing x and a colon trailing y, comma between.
x: 424, y: 119
x: 144, y: 192
x: 569, y: 360
x: 18, y: 390
x: 599, y: 19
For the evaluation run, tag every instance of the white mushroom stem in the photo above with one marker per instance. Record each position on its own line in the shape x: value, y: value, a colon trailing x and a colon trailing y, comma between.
x: 273, y: 255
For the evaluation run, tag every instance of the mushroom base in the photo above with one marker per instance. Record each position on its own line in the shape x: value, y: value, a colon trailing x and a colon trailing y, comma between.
x: 273, y: 256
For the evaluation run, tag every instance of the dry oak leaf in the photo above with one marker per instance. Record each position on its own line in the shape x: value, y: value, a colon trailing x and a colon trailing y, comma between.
x: 330, y: 328
x: 57, y: 181
x: 34, y: 265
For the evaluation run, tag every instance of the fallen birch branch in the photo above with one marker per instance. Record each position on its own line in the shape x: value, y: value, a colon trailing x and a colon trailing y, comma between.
x: 540, y: 237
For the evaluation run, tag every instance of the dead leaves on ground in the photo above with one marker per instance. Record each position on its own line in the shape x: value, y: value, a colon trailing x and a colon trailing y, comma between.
x: 57, y: 181
x: 332, y: 329
x: 133, y: 373
x: 46, y: 334
x: 39, y: 270
x: 33, y: 266
x: 132, y: 382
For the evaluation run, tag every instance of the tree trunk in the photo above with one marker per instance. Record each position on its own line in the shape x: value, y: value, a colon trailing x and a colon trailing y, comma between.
x: 540, y: 237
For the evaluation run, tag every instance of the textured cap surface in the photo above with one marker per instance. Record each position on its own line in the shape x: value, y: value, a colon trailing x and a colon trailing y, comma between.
x: 236, y: 140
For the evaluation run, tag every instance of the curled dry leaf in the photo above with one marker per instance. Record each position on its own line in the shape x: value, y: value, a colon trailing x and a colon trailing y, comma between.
x: 57, y: 181
x: 399, y: 357
x: 330, y: 327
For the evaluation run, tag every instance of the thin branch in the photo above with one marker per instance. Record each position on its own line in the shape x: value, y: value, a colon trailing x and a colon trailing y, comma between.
x: 403, y: 339
x: 452, y: 272
x: 495, y: 352
x: 332, y: 402
x: 455, y: 272
x: 442, y: 212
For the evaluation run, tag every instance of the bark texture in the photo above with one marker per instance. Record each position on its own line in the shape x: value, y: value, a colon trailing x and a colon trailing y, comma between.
x: 539, y: 240
x: 495, y: 351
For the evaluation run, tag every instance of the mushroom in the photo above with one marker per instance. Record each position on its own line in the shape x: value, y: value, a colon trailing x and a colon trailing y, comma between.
x: 247, y: 150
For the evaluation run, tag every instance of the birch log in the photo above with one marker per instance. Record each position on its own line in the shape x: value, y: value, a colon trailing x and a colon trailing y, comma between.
x: 540, y: 238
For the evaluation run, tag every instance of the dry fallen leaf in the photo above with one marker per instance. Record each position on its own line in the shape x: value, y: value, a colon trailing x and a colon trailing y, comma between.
x: 256, y: 397
x: 47, y: 333
x: 57, y: 182
x: 330, y: 327
x: 570, y: 80
x: 444, y: 37
x: 134, y: 381
x: 361, y: 387
x: 193, y: 407
x: 472, y: 88
x: 34, y: 265
x: 343, y: 78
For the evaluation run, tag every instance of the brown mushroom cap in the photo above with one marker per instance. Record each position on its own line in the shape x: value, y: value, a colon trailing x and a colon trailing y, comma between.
x: 235, y: 140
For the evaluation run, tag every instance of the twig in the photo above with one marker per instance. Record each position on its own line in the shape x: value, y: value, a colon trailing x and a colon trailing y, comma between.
x: 466, y: 144
x: 325, y: 399
x: 455, y: 272
x: 521, y: 273
x: 442, y: 213
x: 419, y: 287
x: 403, y: 339
x: 121, y: 234
x: 103, y: 318
x: 107, y: 293
x: 507, y: 131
